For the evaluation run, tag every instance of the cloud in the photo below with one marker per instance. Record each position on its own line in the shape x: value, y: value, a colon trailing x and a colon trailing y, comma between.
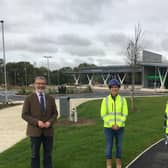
x: 70, y: 43
x: 84, y: 51
x: 110, y: 61
x: 164, y: 44
x: 81, y: 30
x: 72, y: 39
x: 78, y: 11
x: 119, y: 40
x: 25, y: 44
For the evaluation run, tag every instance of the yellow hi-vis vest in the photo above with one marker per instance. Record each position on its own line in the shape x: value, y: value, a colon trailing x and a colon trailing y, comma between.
x: 114, y: 112
x: 166, y: 118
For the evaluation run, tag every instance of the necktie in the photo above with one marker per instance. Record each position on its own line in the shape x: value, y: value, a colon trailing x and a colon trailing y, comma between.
x: 42, y: 106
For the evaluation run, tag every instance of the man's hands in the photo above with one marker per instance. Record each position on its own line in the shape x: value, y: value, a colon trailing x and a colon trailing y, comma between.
x: 42, y: 124
x: 47, y: 124
x: 115, y: 127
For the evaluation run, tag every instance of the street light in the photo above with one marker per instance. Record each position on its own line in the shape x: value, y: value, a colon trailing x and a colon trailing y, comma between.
x: 4, y: 59
x: 48, y: 57
x: 25, y: 70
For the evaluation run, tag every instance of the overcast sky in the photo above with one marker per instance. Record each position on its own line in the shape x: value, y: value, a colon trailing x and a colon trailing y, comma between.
x: 77, y: 31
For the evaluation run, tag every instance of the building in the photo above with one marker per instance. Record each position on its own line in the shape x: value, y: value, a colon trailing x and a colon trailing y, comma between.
x: 151, y: 72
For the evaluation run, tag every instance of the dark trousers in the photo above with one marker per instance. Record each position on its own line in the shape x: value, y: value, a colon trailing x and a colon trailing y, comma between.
x: 47, y: 142
x: 110, y: 135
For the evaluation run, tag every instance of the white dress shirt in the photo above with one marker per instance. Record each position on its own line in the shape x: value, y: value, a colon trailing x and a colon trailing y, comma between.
x: 38, y: 95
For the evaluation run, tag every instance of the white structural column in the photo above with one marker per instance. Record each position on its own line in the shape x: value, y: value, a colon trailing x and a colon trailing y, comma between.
x: 105, y: 79
x: 162, y: 79
x: 121, y: 79
x: 90, y: 79
x: 76, y: 78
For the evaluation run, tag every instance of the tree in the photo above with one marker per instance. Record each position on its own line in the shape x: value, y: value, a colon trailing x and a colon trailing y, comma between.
x: 41, y: 71
x: 20, y: 73
x: 64, y: 75
x: 133, y: 56
x: 86, y: 65
x: 23, y: 73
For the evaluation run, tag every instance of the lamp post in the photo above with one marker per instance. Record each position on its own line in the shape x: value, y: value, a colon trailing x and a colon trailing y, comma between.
x: 25, y: 70
x: 48, y: 57
x: 4, y: 59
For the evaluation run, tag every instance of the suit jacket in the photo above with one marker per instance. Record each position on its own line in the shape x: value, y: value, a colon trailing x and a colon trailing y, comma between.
x: 31, y: 113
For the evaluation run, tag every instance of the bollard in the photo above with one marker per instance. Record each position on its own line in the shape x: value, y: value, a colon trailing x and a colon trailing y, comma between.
x: 73, y: 115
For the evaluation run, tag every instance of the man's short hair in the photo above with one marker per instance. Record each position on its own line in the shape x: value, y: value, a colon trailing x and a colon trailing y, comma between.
x: 40, y: 78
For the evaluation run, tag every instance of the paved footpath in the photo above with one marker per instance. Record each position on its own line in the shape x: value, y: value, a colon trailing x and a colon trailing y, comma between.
x: 154, y: 157
x: 13, y: 128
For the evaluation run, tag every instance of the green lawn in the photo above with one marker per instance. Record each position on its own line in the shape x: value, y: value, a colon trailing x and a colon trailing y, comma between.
x: 83, y: 146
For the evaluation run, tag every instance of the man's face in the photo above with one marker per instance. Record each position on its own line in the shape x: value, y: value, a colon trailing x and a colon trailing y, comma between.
x: 40, y: 85
x: 114, y: 90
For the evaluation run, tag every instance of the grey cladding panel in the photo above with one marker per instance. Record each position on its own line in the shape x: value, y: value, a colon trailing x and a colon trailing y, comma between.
x: 149, y: 57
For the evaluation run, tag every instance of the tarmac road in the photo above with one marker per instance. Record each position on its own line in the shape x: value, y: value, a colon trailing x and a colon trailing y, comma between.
x: 155, y: 157
x: 96, y: 94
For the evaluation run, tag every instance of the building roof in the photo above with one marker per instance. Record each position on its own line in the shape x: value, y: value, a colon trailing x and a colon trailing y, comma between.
x: 108, y: 69
x: 116, y: 68
x: 165, y: 65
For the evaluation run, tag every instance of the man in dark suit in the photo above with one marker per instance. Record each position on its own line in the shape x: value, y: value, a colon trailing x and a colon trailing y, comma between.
x: 39, y: 110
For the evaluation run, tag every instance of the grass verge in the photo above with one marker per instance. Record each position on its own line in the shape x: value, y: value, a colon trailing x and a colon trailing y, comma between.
x: 83, y: 146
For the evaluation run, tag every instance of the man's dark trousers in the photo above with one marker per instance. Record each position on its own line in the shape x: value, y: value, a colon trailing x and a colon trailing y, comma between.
x: 36, y: 142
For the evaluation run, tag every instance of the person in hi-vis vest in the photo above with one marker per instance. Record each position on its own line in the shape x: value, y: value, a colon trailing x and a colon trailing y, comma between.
x: 114, y: 113
x: 166, y: 124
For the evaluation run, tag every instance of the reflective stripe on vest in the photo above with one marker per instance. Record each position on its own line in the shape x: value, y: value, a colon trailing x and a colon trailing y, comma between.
x: 113, y: 120
x: 107, y: 109
x: 113, y: 113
